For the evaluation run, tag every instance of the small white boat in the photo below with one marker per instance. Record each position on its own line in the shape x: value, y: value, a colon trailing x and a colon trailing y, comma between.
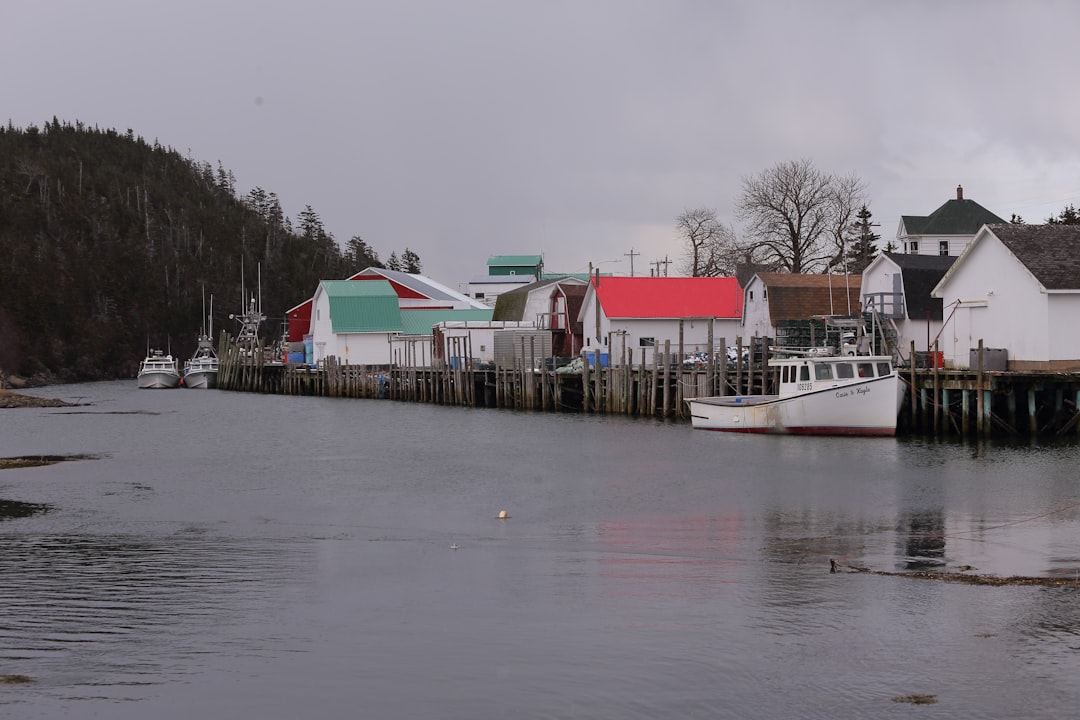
x: 818, y: 395
x: 201, y: 370
x: 158, y: 370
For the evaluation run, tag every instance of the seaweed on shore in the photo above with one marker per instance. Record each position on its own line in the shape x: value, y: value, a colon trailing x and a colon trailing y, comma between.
x: 28, y: 461
x: 12, y: 509
x: 10, y: 399
x: 960, y: 577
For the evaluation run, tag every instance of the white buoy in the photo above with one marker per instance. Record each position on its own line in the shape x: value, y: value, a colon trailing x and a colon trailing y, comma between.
x: 454, y: 546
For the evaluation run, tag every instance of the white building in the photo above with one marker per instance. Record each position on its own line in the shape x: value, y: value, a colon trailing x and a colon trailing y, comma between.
x: 947, y: 230
x: 637, y: 315
x: 897, y: 287
x: 1016, y: 288
x: 354, y: 321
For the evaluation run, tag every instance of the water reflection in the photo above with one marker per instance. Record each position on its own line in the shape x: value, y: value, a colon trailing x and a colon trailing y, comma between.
x: 119, y: 610
x: 923, y: 536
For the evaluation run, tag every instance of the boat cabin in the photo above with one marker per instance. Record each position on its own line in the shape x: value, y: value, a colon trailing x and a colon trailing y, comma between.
x: 800, y: 375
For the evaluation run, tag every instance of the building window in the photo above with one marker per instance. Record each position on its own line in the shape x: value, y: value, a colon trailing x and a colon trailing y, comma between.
x: 647, y: 342
x: 943, y: 247
x: 913, y: 248
x: 765, y: 294
x: 479, y: 296
x: 751, y: 294
x: 318, y: 314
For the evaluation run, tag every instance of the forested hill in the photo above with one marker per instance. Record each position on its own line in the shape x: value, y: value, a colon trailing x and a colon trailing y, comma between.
x: 109, y: 243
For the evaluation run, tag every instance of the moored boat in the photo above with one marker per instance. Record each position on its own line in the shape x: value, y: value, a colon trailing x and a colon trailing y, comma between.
x: 158, y: 370
x: 817, y: 395
x: 201, y: 369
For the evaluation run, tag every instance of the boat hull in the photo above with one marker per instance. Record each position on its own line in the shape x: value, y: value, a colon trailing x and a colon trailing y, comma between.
x: 201, y: 379
x: 158, y: 380
x: 859, y: 408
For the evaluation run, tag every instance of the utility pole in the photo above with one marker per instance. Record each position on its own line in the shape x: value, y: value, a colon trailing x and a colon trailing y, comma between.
x: 665, y: 262
x: 632, y: 254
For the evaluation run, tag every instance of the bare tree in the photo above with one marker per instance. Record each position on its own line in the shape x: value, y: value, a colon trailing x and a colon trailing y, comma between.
x: 797, y: 216
x: 847, y: 199
x: 711, y: 247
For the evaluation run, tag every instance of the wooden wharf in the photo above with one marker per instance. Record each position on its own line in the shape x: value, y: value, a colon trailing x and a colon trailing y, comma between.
x: 939, y: 402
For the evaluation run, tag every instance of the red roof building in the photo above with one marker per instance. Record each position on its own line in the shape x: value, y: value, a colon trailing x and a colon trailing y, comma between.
x: 634, y: 316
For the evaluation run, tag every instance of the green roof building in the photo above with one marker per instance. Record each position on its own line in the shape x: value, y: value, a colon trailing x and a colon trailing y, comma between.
x: 532, y: 265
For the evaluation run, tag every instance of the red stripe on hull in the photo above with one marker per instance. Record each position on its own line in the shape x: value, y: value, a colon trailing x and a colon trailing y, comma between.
x: 849, y: 431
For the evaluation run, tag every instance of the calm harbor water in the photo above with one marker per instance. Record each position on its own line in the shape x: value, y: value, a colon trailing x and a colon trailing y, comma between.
x: 239, y: 555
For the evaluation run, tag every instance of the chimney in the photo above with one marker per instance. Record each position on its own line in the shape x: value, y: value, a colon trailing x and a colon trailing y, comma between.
x: 959, y: 192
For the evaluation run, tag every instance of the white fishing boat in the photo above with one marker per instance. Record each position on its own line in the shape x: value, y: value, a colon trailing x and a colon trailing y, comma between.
x: 158, y: 370
x: 817, y: 395
x: 201, y: 369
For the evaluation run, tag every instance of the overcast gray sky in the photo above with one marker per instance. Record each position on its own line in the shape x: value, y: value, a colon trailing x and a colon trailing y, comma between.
x: 579, y: 129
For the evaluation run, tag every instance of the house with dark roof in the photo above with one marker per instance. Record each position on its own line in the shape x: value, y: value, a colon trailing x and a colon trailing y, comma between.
x: 636, y: 315
x: 1015, y: 288
x: 771, y: 298
x: 897, y: 288
x: 947, y: 230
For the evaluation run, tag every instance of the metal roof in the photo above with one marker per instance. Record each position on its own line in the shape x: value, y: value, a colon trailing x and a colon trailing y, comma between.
x: 501, y: 280
x: 420, y: 322
x: 419, y: 284
x: 500, y: 260
x: 356, y: 307
x: 664, y: 297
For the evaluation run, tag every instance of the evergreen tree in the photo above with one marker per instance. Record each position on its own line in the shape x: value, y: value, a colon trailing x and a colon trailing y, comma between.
x: 1069, y: 216
x: 863, y: 241
x: 310, y: 224
x: 359, y: 255
x: 410, y: 262
x: 393, y: 263
x: 107, y: 243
